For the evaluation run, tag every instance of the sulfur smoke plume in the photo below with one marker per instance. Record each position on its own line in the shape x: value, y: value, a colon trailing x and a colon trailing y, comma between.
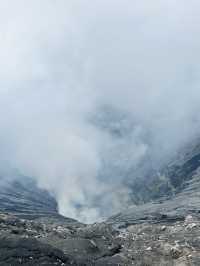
x: 90, y: 89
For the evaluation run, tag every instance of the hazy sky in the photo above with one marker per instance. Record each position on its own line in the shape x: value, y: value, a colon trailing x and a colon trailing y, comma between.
x: 61, y: 62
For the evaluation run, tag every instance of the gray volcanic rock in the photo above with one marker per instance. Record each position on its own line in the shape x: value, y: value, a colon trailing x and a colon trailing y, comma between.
x: 165, y: 209
x: 22, y: 197
x: 42, y: 242
x: 168, y: 180
x: 47, y: 242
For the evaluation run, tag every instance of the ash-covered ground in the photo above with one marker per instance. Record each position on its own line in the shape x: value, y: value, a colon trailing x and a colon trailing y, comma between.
x: 63, y: 242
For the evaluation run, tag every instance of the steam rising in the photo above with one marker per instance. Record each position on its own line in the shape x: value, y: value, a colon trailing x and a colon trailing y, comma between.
x: 89, y: 89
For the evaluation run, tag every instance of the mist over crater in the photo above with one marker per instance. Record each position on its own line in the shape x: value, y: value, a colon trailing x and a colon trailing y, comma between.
x: 96, y: 95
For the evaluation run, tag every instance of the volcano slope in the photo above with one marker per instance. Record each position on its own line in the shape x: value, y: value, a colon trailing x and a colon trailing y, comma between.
x: 163, y: 231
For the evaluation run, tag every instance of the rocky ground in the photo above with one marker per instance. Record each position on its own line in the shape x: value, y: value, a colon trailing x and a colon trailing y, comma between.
x: 64, y: 242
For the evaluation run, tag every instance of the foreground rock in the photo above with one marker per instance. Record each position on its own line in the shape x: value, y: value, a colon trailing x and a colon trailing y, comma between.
x: 63, y: 242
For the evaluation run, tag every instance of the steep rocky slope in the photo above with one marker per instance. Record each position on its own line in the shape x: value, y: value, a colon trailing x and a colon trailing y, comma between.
x: 22, y: 197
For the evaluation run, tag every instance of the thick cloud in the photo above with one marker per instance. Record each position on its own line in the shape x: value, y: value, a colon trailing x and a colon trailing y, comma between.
x: 63, y: 63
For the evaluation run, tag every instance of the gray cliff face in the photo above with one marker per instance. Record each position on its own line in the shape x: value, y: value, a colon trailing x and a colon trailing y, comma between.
x: 161, y: 228
x: 22, y: 197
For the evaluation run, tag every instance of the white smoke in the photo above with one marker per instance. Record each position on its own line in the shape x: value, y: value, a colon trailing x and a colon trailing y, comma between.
x: 61, y: 62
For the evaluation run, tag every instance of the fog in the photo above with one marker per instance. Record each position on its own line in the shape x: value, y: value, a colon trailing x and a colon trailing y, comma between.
x: 72, y: 73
